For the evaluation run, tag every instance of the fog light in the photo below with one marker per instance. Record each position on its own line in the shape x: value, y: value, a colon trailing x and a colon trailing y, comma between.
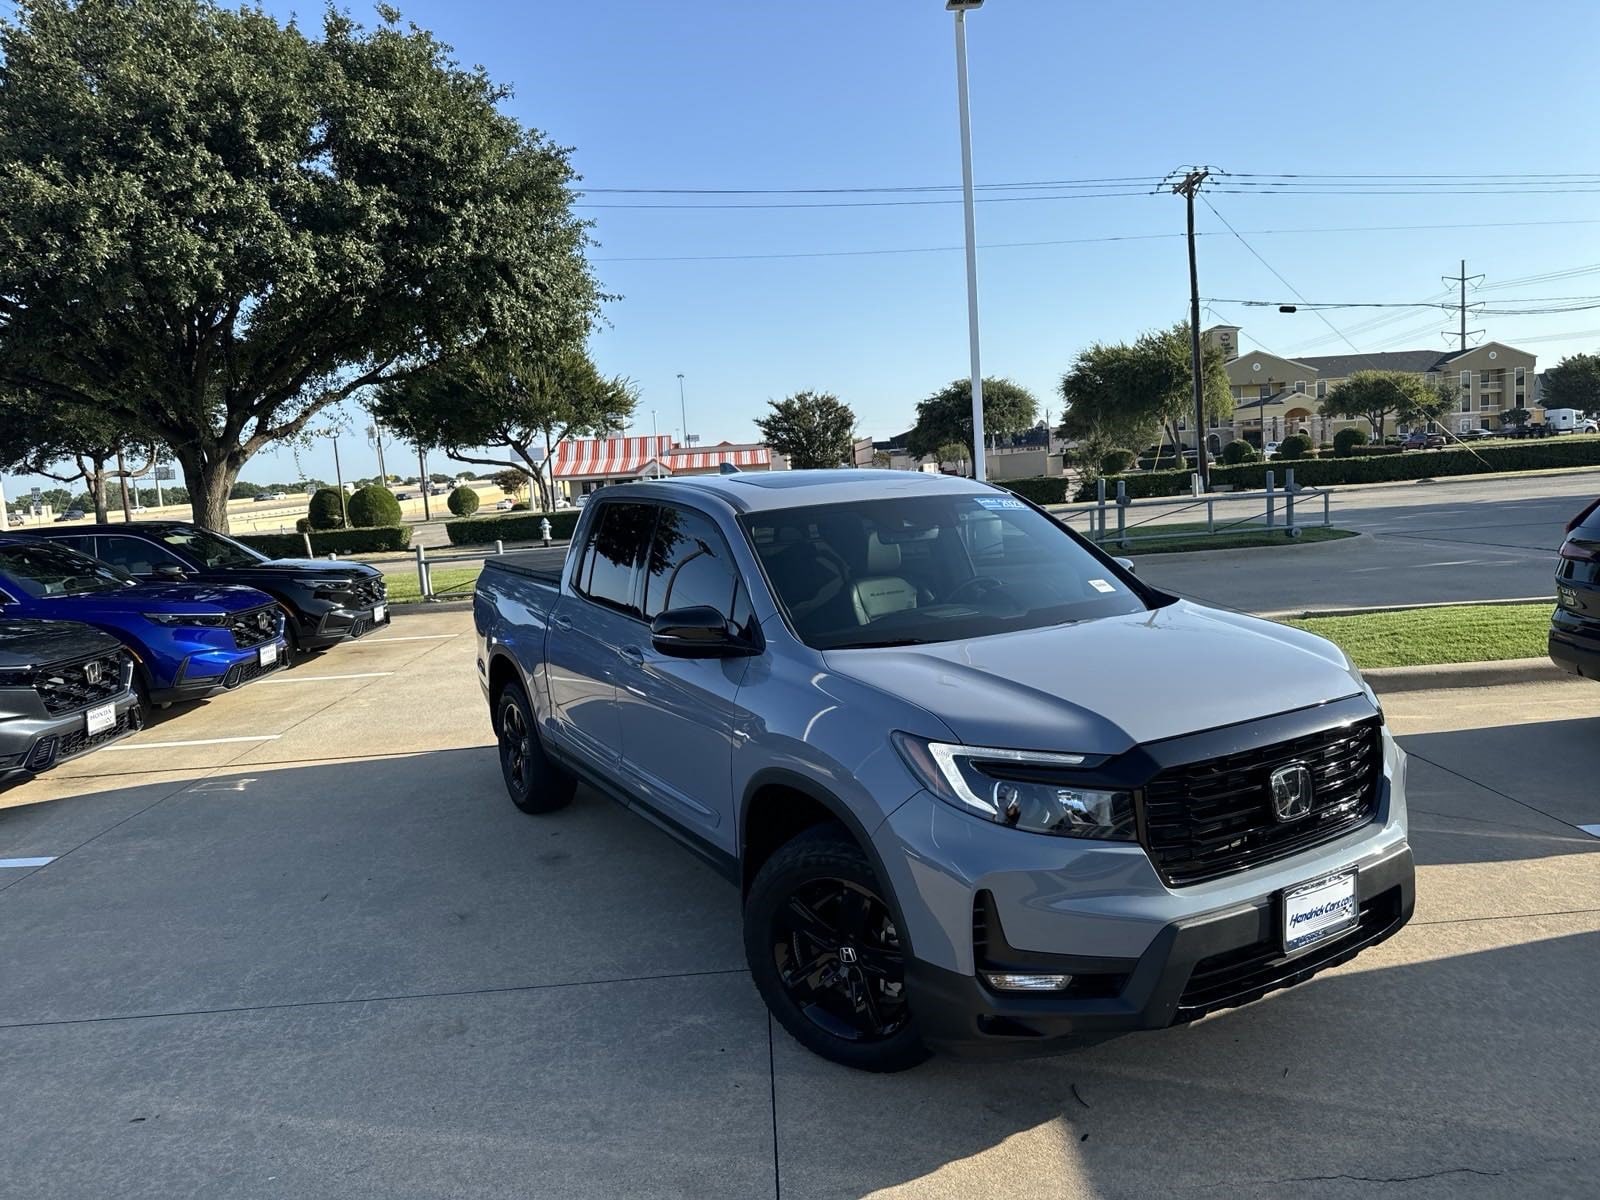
x: 1026, y: 983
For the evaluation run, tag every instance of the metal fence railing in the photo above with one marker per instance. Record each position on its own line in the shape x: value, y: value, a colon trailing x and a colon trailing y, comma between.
x: 1273, y: 508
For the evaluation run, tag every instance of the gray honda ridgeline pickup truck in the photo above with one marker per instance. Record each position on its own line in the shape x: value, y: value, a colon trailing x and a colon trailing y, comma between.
x: 983, y: 789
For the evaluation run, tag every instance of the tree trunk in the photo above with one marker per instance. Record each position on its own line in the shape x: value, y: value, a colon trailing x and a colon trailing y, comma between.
x: 97, y: 489
x: 209, y: 484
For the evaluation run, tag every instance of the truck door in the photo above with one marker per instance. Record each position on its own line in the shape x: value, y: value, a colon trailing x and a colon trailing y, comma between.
x: 590, y: 626
x: 679, y: 715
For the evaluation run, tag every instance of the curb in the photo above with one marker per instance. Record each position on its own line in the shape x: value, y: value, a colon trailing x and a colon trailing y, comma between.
x: 1312, y: 613
x: 1391, y: 680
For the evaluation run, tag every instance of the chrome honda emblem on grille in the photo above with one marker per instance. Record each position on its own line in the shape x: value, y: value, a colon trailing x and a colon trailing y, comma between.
x: 847, y: 954
x: 264, y: 621
x: 92, y: 672
x: 1292, y: 792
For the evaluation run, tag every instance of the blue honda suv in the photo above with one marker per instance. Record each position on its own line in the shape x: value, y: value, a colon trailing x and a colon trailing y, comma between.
x: 187, y: 640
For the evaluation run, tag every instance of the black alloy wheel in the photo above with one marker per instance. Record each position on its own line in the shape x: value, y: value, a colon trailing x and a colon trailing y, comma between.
x: 827, y: 956
x: 534, y: 783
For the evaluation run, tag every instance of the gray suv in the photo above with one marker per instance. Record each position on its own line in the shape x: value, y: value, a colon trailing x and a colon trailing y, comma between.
x: 983, y: 790
x: 65, y: 689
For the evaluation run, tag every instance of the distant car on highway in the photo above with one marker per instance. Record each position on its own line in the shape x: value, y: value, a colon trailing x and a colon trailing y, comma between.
x: 1423, y: 441
x: 402, y: 495
x: 72, y: 514
x: 1575, y: 624
x: 503, y: 505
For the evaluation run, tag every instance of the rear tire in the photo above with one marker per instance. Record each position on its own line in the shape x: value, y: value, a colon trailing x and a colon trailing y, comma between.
x: 533, y: 781
x: 825, y: 954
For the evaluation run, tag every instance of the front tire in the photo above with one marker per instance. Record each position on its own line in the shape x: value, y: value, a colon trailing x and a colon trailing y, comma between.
x: 826, y: 956
x: 534, y: 782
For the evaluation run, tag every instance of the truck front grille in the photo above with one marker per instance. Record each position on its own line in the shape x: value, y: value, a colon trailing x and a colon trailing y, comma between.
x: 1207, y: 819
x: 256, y: 626
x: 83, y: 682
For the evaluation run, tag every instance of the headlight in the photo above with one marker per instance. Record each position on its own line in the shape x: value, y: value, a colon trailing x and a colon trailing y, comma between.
x: 16, y: 679
x: 211, y: 620
x: 1024, y: 789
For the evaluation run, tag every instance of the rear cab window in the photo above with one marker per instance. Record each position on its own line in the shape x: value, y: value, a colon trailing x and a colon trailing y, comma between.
x: 608, y: 573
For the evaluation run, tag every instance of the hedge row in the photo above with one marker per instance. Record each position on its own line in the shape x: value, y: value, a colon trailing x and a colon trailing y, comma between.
x: 510, y: 527
x: 1364, y: 468
x: 339, y: 541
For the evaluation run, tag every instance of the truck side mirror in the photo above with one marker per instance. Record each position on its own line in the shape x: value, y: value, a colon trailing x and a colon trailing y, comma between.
x: 697, y: 632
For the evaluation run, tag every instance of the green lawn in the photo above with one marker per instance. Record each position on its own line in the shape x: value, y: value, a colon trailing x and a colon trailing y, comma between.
x: 1459, y: 633
x: 1244, y: 535
x: 449, y: 581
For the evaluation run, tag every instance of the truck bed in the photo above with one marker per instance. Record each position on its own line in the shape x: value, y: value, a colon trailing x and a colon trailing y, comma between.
x: 539, y: 564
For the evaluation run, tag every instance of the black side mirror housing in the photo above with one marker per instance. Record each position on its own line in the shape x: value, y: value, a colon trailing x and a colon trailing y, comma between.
x: 171, y: 572
x: 697, y: 632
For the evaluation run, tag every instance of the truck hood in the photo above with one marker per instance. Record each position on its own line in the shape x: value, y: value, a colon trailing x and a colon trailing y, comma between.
x: 312, y: 568
x: 25, y: 643
x: 157, y: 597
x: 1106, y: 685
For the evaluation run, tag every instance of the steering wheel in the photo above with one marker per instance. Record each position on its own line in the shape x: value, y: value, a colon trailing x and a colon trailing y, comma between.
x: 983, y: 583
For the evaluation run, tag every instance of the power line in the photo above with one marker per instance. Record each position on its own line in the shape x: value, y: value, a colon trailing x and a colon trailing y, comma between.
x: 1129, y: 237
x: 1309, y: 305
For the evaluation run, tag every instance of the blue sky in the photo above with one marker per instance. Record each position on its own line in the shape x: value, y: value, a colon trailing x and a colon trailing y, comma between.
x: 830, y: 94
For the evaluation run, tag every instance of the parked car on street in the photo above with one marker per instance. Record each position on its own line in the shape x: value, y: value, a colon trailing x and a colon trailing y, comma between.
x: 936, y: 739
x: 1269, y: 449
x: 1424, y: 441
x: 327, y: 601
x: 1575, y: 624
x: 72, y: 514
x: 65, y: 689
x: 188, y: 640
x: 1479, y: 435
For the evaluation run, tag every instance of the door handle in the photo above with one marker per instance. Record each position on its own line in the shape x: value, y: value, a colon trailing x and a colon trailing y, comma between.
x: 632, y: 654
x: 562, y: 623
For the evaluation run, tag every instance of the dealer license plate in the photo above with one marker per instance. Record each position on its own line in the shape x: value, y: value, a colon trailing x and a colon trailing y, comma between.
x: 100, y: 718
x: 377, y: 614
x: 269, y: 654
x: 1319, y: 910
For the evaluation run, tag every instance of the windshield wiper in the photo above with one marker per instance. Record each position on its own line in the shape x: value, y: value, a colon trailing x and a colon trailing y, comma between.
x: 906, y: 641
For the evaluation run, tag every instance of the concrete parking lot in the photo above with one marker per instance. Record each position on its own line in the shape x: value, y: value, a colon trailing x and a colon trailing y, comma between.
x: 298, y: 943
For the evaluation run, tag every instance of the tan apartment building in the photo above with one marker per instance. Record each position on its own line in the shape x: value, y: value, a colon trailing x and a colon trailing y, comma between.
x: 1274, y: 397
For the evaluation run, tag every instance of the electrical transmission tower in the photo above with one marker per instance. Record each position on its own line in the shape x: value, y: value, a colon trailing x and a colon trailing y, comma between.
x: 1463, y: 279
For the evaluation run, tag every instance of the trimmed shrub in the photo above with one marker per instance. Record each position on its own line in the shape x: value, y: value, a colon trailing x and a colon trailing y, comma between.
x: 1346, y: 441
x: 1295, y: 446
x: 463, y: 501
x: 510, y: 527
x: 371, y: 506
x: 1365, y: 450
x: 326, y: 511
x: 303, y: 525
x: 1041, y: 489
x: 1239, y: 451
x: 1115, y: 462
x: 338, y: 541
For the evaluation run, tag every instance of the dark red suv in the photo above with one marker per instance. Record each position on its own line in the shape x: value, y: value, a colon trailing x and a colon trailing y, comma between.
x: 1575, y: 625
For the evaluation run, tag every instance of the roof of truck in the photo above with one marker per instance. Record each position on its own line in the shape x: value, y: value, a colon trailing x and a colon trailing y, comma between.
x: 755, y: 491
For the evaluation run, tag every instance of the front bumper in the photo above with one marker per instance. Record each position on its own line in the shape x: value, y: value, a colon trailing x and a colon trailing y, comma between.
x: 1193, y: 967
x: 1575, y: 644
x: 318, y: 631
x: 29, y: 745
x: 208, y: 672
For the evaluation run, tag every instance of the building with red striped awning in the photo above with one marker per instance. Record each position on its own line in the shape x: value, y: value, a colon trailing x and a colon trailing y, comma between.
x: 583, y: 465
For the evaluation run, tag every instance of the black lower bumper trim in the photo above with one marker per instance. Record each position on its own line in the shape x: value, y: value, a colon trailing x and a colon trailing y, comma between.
x: 1190, y: 969
x: 1576, y: 655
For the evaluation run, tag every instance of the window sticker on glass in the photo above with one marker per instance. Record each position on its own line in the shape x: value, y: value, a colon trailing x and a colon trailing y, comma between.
x: 1000, y: 502
x: 1100, y: 585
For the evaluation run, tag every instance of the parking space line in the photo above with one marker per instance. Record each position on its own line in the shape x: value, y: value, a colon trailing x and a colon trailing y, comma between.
x: 325, y: 678
x: 410, y: 637
x: 26, y: 862
x: 260, y: 737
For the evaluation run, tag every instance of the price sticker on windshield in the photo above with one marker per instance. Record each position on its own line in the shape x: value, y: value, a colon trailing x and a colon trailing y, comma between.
x: 999, y: 502
x: 1100, y: 585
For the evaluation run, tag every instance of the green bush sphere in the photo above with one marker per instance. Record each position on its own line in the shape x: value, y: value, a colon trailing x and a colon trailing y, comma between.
x: 1295, y: 446
x: 1239, y: 451
x: 1115, y: 462
x: 372, y: 506
x: 325, y: 510
x: 1346, y: 441
x: 463, y: 501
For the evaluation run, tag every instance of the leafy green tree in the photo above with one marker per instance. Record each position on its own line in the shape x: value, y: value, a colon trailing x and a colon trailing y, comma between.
x: 959, y: 453
x: 214, y: 226
x: 810, y: 429
x: 1126, y: 393
x: 946, y: 416
x: 1375, y: 396
x: 513, y: 394
x: 512, y: 481
x: 1574, y: 382
x: 70, y: 444
x: 1513, y: 417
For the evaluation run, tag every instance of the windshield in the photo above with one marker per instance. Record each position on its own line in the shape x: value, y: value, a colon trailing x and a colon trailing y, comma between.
x: 47, y: 570
x: 212, y: 549
x: 928, y: 569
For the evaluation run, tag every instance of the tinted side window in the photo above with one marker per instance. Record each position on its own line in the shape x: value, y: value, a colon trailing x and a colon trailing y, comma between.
x: 133, y: 555
x: 689, y: 565
x: 611, y: 563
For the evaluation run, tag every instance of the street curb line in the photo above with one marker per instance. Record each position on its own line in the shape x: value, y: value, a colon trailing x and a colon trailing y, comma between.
x: 1313, y: 613
x: 1390, y: 680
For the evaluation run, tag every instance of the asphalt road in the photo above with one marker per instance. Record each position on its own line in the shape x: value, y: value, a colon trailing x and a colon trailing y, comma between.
x: 332, y: 960
x: 1427, y: 542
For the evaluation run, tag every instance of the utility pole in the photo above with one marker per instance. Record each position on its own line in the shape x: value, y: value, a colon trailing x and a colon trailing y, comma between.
x: 1187, y: 187
x: 422, y: 478
x: 338, y: 476
x: 683, y: 410
x: 980, y: 470
x: 1463, y: 279
x: 376, y: 433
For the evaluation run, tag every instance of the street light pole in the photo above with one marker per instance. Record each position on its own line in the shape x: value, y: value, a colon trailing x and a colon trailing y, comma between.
x: 960, y: 8
x: 683, y: 409
x: 338, y: 476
